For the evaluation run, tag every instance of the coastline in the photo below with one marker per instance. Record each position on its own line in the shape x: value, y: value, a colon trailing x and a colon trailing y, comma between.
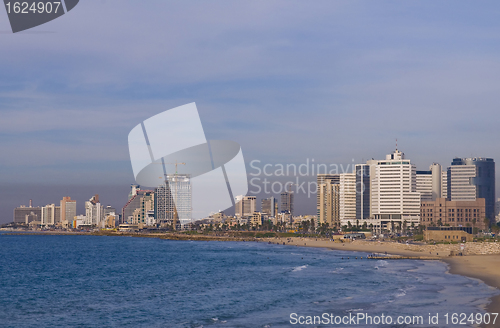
x: 485, y: 267
x: 482, y: 267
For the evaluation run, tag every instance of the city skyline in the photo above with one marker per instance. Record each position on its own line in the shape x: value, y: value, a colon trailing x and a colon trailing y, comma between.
x: 333, y: 81
x: 336, y: 183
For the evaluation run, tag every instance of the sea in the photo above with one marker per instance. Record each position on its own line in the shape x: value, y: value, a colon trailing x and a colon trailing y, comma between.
x: 102, y: 281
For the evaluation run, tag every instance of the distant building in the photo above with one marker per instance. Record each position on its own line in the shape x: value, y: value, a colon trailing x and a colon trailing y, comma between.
x: 173, y: 201
x: 269, y: 206
x: 26, y: 215
x: 245, y: 206
x: 109, y: 210
x: 287, y: 202
x: 51, y: 215
x: 472, y: 178
x: 444, y: 184
x: 394, y: 198
x: 429, y: 183
x: 456, y: 234
x: 328, y: 199
x: 347, y: 196
x: 443, y: 212
x: 134, y: 203
x: 363, y: 208
x: 94, y: 211
x: 80, y: 221
x: 256, y: 219
x: 133, y: 190
x: 68, y: 211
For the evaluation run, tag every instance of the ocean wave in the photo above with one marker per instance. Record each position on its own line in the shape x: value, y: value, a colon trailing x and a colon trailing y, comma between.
x: 337, y: 270
x: 299, y: 268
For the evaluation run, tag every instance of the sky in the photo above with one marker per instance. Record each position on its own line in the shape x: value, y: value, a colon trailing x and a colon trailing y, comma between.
x: 290, y: 81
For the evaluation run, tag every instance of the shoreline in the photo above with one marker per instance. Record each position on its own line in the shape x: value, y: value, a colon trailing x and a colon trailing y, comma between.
x: 484, y: 267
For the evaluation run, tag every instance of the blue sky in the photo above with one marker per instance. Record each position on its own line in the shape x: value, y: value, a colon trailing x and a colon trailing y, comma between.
x: 288, y: 80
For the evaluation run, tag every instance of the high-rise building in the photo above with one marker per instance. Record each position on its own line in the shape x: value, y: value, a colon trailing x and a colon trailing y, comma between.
x: 245, y: 206
x: 347, y: 196
x: 94, y: 212
x: 26, y: 215
x: 287, y: 202
x: 173, y: 201
x: 329, y: 202
x: 393, y: 192
x: 51, y: 215
x: 322, y: 179
x: 424, y: 185
x: 362, y: 172
x: 472, y: 178
x: 269, y: 206
x: 444, y: 184
x: 429, y: 183
x: 68, y: 211
x: 134, y: 211
x: 146, y: 204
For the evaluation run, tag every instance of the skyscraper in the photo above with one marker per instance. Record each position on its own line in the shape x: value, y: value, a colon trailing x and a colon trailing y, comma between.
x: 323, y: 179
x: 269, y: 206
x: 362, y: 172
x: 173, y: 201
x: 429, y: 183
x: 394, y: 196
x: 347, y: 196
x: 472, y: 178
x: 94, y: 212
x: 329, y: 203
x: 51, y: 215
x: 245, y: 206
x: 287, y: 202
x: 68, y: 211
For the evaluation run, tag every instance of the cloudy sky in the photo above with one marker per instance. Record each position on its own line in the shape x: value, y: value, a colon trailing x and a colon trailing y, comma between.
x: 336, y: 81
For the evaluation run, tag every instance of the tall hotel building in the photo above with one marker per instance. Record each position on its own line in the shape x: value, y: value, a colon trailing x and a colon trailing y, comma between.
x: 347, y: 196
x: 328, y: 200
x: 472, y: 178
x: 394, y: 196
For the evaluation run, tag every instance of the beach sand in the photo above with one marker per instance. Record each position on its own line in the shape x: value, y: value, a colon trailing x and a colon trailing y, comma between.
x: 483, y: 267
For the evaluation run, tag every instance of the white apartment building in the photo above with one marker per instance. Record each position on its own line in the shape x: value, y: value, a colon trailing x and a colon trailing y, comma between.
x: 245, y: 206
x: 94, y: 211
x: 460, y: 185
x: 51, y: 214
x: 444, y: 185
x: 347, y: 197
x: 394, y: 198
x: 424, y: 185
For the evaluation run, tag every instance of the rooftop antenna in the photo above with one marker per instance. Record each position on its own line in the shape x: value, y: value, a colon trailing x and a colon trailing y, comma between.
x: 396, y: 143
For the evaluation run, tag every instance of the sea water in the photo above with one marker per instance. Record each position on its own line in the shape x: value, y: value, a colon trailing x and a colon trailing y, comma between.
x: 91, y: 281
